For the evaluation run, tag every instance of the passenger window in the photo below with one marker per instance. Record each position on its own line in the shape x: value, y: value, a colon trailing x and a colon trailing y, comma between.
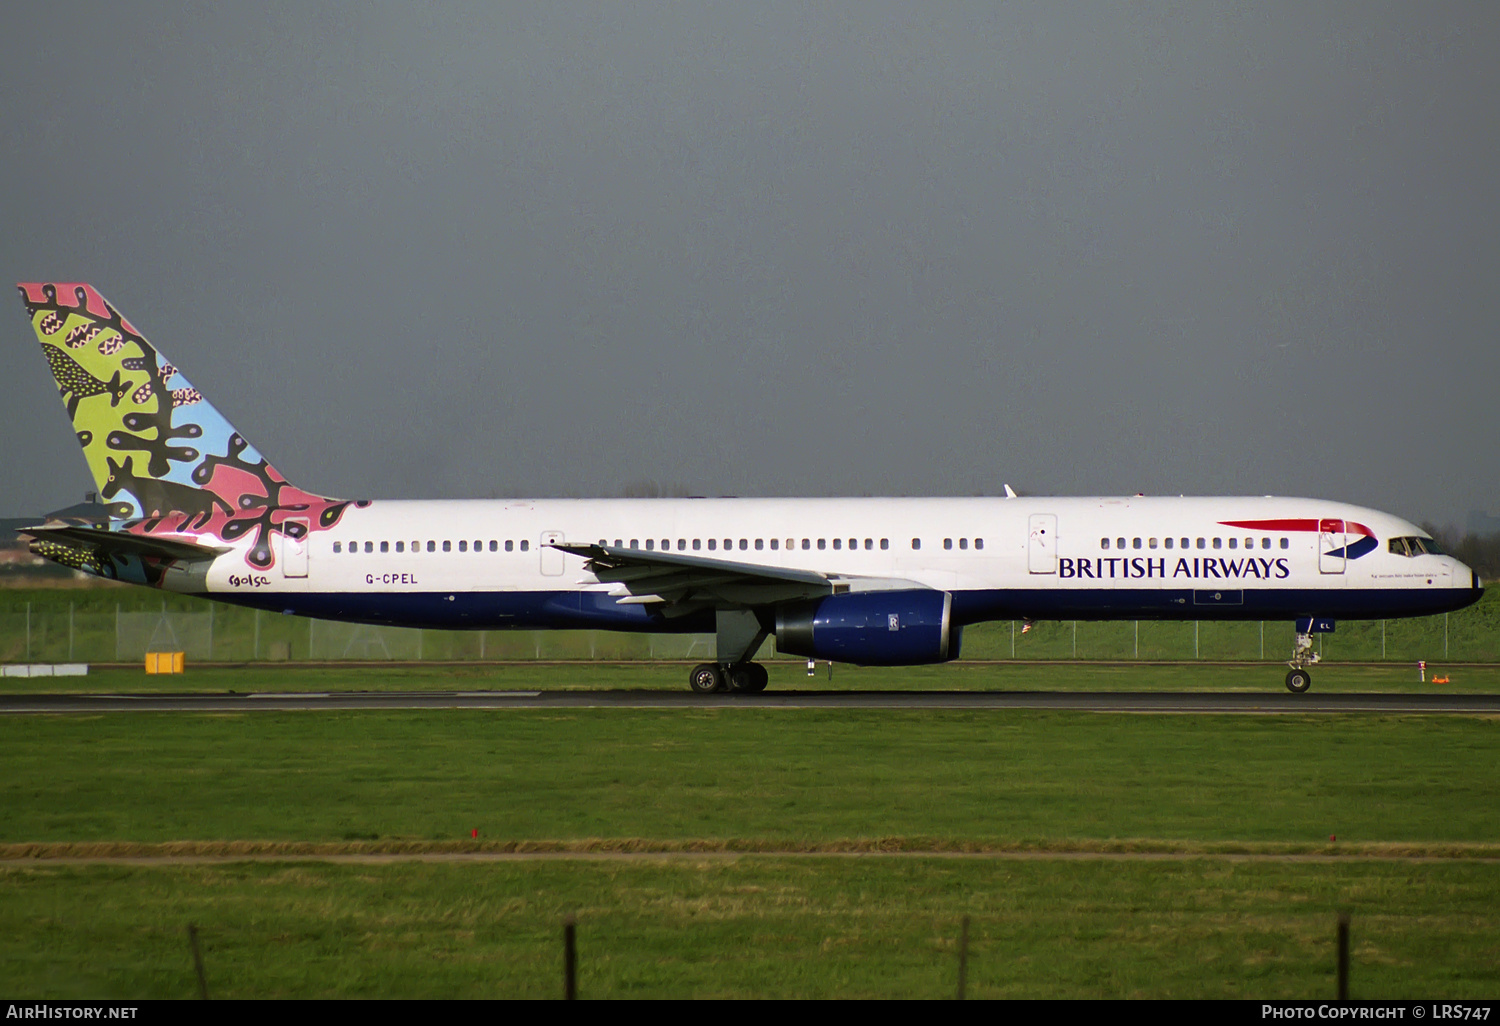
x: 1218, y: 543
x: 401, y: 546
x: 775, y: 543
x: 511, y: 545
x: 1150, y: 543
x: 1231, y: 543
x: 432, y: 546
x: 1104, y: 543
x: 916, y: 543
x: 1119, y: 543
x: 1202, y: 544
x: 947, y: 543
x: 854, y: 543
x: 838, y: 543
x: 759, y: 544
x: 822, y: 544
x: 885, y: 543
x: 339, y: 547
x: 650, y: 544
x: 744, y: 544
x: 681, y: 544
x: 1166, y: 542
x: 728, y: 544
x: 369, y: 546
x: 1265, y: 543
x: 697, y: 544
x: 963, y: 543
x: 979, y: 543
x: 806, y: 543
x: 385, y: 546
x: 1135, y: 543
x: 1185, y: 543
x: 463, y: 546
x: 525, y: 545
x: 447, y: 546
x: 713, y: 543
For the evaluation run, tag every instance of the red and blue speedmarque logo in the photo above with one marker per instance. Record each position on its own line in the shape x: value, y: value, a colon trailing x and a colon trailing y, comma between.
x: 1352, y: 548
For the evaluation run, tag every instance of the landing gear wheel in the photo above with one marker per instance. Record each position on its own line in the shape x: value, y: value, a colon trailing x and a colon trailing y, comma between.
x: 759, y: 678
x: 748, y: 678
x: 1298, y: 681
x: 706, y: 678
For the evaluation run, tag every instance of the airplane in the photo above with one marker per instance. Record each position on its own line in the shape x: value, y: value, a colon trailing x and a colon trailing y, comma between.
x: 190, y: 506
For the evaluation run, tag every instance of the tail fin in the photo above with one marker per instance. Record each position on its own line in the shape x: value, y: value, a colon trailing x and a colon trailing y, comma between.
x: 158, y: 450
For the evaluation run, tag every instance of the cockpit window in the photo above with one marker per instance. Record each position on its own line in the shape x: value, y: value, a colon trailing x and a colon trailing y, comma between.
x: 1415, y: 547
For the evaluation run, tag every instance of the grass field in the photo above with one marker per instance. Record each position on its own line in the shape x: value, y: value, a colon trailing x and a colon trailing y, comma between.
x: 1065, y: 920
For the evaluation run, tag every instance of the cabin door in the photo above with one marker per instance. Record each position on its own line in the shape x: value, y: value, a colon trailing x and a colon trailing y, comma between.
x: 552, y: 559
x: 1041, y: 546
x: 1333, y: 546
x: 294, y: 547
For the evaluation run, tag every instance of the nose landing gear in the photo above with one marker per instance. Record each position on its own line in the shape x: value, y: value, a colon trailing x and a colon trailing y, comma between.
x: 1303, y: 656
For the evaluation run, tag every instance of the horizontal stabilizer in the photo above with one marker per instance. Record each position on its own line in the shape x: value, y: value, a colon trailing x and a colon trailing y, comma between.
x: 122, y: 543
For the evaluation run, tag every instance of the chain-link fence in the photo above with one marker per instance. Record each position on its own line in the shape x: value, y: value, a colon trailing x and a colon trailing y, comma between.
x: 58, y: 629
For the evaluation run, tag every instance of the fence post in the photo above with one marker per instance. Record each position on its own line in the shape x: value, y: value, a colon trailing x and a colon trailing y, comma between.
x: 570, y: 958
x: 198, y: 962
x: 1343, y: 956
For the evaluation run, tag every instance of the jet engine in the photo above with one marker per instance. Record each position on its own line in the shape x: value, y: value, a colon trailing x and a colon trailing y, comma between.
x: 872, y: 628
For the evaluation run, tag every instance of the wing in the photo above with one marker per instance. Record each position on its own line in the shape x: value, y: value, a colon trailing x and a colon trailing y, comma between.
x: 684, y: 583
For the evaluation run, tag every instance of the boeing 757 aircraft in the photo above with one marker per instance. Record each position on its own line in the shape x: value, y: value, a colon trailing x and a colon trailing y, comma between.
x: 192, y: 507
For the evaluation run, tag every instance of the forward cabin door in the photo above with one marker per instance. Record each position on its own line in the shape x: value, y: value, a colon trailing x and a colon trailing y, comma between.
x: 552, y: 559
x: 1041, y: 546
x: 294, y: 534
x: 1333, y: 546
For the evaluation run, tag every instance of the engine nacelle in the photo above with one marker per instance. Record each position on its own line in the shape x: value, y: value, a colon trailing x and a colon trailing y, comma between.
x: 871, y: 628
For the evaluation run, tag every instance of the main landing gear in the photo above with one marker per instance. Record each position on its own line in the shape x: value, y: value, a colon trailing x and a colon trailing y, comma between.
x: 1303, y: 656
x: 738, y: 636
x: 742, y: 678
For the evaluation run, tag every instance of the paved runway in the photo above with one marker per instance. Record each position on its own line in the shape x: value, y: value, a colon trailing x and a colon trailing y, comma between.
x: 1269, y: 702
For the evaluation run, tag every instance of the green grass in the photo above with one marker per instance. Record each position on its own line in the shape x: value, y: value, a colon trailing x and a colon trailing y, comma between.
x: 782, y: 776
x: 753, y: 927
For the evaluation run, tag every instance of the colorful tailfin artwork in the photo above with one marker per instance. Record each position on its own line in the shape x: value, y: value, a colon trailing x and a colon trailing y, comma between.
x: 166, y: 462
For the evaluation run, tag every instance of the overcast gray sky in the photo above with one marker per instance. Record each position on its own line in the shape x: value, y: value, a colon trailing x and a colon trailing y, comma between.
x: 780, y: 249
